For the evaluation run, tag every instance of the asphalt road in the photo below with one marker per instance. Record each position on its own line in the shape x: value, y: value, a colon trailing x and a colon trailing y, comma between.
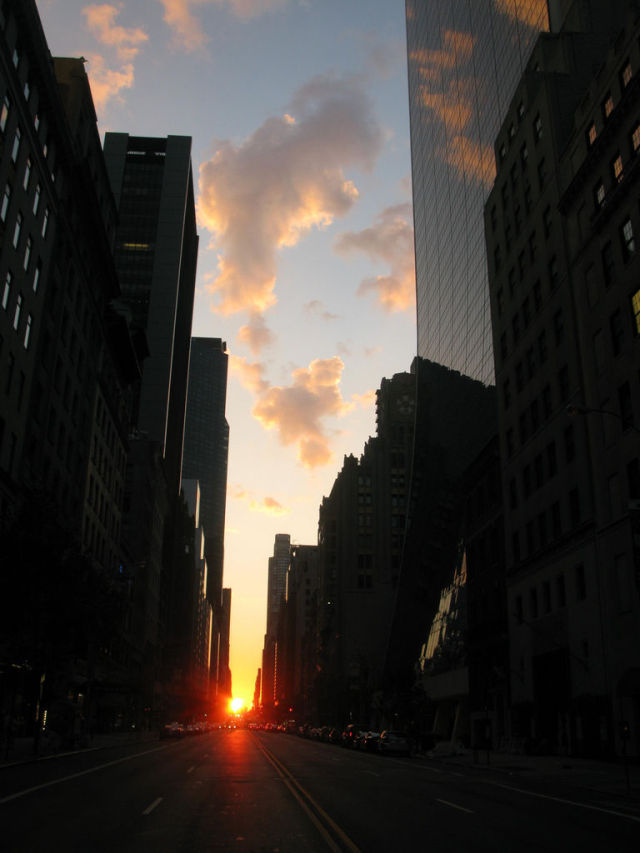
x: 236, y: 790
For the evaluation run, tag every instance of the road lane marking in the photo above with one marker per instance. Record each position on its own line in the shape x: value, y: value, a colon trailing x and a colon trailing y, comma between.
x: 566, y: 802
x: 153, y: 805
x: 191, y: 769
x: 305, y: 800
x: 76, y: 775
x: 455, y: 806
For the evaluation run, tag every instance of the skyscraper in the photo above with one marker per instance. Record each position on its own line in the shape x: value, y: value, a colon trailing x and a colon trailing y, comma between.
x: 156, y: 253
x: 276, y: 591
x: 465, y: 59
x: 206, y: 448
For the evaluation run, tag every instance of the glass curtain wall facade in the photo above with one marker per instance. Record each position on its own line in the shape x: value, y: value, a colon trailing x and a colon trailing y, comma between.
x: 465, y: 58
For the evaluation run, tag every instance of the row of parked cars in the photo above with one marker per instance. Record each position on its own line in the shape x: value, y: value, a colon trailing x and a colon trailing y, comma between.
x: 352, y: 736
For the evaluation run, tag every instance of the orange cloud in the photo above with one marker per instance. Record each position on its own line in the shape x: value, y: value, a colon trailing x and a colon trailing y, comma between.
x: 533, y: 13
x: 250, y: 374
x: 452, y: 108
x: 187, y: 30
x: 101, y: 23
x: 317, y: 308
x: 389, y: 240
x: 188, y: 33
x: 299, y: 410
x: 283, y: 180
x: 472, y: 160
x: 270, y: 506
x: 107, y: 83
x: 365, y: 400
x: 256, y: 334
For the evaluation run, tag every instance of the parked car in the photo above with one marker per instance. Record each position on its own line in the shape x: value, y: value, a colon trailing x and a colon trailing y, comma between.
x: 353, y: 735
x: 397, y: 743
x: 370, y: 742
x: 172, y: 730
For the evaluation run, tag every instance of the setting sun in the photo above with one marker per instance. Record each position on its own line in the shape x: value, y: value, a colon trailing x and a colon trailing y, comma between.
x: 236, y: 704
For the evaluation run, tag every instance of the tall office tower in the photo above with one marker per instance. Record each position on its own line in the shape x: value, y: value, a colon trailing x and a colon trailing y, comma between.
x: 156, y: 254
x: 464, y: 60
x: 560, y: 230
x: 206, y: 448
x: 276, y: 591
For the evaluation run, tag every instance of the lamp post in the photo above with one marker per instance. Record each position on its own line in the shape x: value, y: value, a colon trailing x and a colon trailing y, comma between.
x: 573, y: 410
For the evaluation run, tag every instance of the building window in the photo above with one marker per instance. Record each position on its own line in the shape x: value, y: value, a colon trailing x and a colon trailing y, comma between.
x: 15, y: 57
x: 16, y: 231
x: 546, y: 221
x: 4, y: 113
x: 27, y: 331
x: 533, y: 603
x: 635, y: 311
x: 524, y: 156
x: 608, y: 263
x: 553, y: 272
x: 504, y: 351
x: 6, y: 291
x: 26, y: 90
x: 542, y: 532
x: 626, y: 238
x: 591, y: 134
x: 581, y: 583
x: 552, y: 462
x: 27, y: 174
x: 569, y: 444
x: 574, y: 507
x: 542, y: 172
x: 519, y: 610
x: 515, y: 327
x: 534, y: 416
x: 546, y: 597
x: 16, y: 145
x: 561, y: 591
x: 506, y: 393
x: 515, y: 545
x: 547, y: 401
x: 17, y: 312
x: 510, y: 443
x: 635, y: 138
x: 537, y: 295
x: 598, y: 195
x: 558, y: 326
x: 607, y: 106
x: 537, y: 128
x: 36, y: 199
x: 626, y: 408
x: 512, y: 281
x: 6, y: 198
x: 27, y: 253
x: 626, y: 74
x: 45, y: 222
x: 616, y: 329
x: 563, y: 382
x: 617, y: 169
x: 36, y: 276
x: 542, y: 347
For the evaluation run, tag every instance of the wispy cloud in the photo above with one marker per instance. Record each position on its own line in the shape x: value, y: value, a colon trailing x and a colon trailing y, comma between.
x: 317, y: 308
x: 288, y: 177
x: 256, y: 334
x: 366, y: 400
x: 101, y: 21
x: 187, y: 28
x: 267, y: 504
x: 390, y: 240
x: 108, y: 82
x: 249, y: 373
x: 298, y: 411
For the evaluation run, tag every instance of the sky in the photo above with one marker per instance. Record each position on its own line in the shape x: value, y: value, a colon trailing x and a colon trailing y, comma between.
x: 298, y: 111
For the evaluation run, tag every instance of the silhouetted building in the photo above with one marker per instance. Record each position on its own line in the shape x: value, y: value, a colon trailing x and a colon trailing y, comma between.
x: 560, y: 225
x: 276, y: 591
x: 156, y: 254
x: 68, y: 365
x: 360, y: 533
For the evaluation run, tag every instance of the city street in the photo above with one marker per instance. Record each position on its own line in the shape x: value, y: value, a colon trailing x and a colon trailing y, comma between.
x: 238, y: 790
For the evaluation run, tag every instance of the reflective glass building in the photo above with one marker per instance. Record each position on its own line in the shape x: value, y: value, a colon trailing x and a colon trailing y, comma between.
x: 465, y: 58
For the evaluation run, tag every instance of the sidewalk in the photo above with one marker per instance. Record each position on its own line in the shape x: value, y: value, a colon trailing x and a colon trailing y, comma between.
x: 21, y: 749
x: 602, y: 777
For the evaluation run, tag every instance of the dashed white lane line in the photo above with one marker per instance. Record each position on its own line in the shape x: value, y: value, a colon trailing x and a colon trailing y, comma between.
x: 153, y: 805
x: 455, y: 806
x: 76, y: 775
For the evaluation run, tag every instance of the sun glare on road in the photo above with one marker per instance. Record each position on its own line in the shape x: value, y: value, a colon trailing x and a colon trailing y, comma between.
x: 236, y: 704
